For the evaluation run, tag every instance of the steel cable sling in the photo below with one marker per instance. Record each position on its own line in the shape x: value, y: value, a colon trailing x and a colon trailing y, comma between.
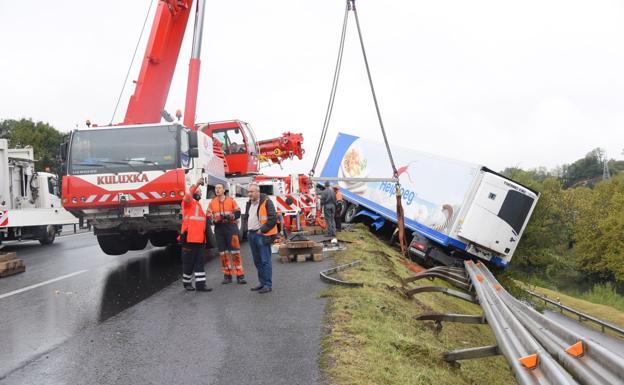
x: 350, y: 6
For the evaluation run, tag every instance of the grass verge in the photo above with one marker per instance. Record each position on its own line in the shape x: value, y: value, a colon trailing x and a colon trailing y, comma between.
x: 371, y: 337
x: 603, y: 312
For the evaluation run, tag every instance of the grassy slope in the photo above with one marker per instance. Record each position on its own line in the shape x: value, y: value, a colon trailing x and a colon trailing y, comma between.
x: 372, y: 339
x: 605, y: 313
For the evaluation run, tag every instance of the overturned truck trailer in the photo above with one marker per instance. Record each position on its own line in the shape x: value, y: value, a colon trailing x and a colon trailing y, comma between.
x: 455, y: 210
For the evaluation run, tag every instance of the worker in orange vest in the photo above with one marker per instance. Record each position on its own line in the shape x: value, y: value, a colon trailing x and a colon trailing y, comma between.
x: 193, y: 238
x: 223, y: 211
x: 339, y: 208
x: 260, y: 220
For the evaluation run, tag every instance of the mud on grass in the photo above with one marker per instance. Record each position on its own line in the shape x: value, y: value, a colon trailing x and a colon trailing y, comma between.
x: 371, y: 337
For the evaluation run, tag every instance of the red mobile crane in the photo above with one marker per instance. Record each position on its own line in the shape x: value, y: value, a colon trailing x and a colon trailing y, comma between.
x: 128, y: 180
x: 243, y: 153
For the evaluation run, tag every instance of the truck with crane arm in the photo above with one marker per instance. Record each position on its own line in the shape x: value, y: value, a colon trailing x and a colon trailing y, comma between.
x: 128, y: 180
x: 30, y: 206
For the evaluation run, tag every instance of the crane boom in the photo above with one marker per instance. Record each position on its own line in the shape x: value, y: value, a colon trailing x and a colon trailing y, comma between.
x: 159, y: 62
x: 287, y: 146
x: 192, y: 85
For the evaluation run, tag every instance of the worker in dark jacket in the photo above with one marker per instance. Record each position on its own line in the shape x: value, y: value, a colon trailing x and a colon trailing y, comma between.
x: 260, y: 220
x: 339, y: 208
x: 193, y: 238
x: 328, y: 202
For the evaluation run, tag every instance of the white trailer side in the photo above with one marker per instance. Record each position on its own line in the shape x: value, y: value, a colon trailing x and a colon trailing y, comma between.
x: 455, y: 205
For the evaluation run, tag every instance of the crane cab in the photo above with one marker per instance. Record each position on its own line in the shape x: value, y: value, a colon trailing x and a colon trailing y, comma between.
x: 238, y: 144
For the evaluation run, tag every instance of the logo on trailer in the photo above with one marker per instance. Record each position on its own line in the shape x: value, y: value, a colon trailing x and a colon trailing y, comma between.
x: 117, y: 179
x: 4, y: 218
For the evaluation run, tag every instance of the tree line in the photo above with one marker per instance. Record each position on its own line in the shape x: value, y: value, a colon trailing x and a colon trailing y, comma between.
x: 44, y: 139
x: 575, y: 238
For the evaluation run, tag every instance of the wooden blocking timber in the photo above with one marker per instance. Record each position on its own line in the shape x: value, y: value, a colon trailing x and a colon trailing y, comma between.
x: 285, y: 250
x: 301, y: 251
x: 7, y: 256
x: 10, y: 265
x: 313, y: 230
x: 301, y: 244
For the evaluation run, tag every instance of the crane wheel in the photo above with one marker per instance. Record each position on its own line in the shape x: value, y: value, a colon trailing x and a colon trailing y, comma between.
x: 113, y: 244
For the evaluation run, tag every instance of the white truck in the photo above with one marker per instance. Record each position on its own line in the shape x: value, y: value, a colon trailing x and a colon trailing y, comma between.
x: 30, y: 206
x: 455, y: 210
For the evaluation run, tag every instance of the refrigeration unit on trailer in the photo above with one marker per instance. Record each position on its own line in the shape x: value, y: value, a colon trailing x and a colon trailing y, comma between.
x: 455, y: 209
x: 30, y: 206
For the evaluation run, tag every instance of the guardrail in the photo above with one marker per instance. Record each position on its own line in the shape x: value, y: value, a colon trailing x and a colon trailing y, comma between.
x: 325, y: 275
x: 581, y: 316
x: 537, y: 349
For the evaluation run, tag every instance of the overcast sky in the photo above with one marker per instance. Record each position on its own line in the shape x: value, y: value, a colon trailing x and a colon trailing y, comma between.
x: 500, y: 83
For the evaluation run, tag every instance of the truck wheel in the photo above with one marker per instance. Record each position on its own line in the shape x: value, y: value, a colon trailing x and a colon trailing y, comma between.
x: 350, y: 213
x: 113, y: 244
x: 50, y: 235
x: 137, y: 242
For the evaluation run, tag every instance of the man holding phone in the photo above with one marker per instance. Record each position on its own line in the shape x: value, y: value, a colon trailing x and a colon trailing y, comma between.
x: 224, y: 212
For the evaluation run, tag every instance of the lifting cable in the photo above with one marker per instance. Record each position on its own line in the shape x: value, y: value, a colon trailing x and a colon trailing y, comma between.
x: 400, y: 214
x: 332, y: 95
x: 136, y: 48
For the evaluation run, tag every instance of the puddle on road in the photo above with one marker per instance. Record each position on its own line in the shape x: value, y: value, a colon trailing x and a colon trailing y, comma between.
x: 139, y: 279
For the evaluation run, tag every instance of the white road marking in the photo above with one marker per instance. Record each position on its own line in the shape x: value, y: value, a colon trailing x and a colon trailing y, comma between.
x: 11, y: 293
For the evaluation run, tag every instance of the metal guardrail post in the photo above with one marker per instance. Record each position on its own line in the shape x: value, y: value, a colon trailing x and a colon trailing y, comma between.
x: 325, y: 275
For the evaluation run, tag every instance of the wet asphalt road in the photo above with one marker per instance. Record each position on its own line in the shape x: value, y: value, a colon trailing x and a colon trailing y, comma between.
x: 126, y: 319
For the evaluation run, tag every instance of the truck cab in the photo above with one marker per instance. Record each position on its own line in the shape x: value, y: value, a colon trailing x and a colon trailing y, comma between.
x: 30, y: 203
x: 128, y: 181
x: 237, y: 142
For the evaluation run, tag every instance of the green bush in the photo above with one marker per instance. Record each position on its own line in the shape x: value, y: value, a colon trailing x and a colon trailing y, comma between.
x: 605, y: 294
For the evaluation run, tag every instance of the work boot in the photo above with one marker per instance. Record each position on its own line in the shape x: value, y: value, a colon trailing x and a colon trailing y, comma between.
x: 226, y: 279
x: 256, y: 288
x: 188, y: 287
x: 241, y: 280
x: 265, y: 290
x: 204, y: 288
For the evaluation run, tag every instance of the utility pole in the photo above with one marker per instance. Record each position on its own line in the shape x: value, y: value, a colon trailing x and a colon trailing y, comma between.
x: 605, y: 169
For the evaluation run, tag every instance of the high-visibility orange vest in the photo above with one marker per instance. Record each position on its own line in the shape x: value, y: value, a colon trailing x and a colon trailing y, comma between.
x: 263, y: 217
x: 193, y: 221
x: 222, y: 210
x: 338, y: 195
